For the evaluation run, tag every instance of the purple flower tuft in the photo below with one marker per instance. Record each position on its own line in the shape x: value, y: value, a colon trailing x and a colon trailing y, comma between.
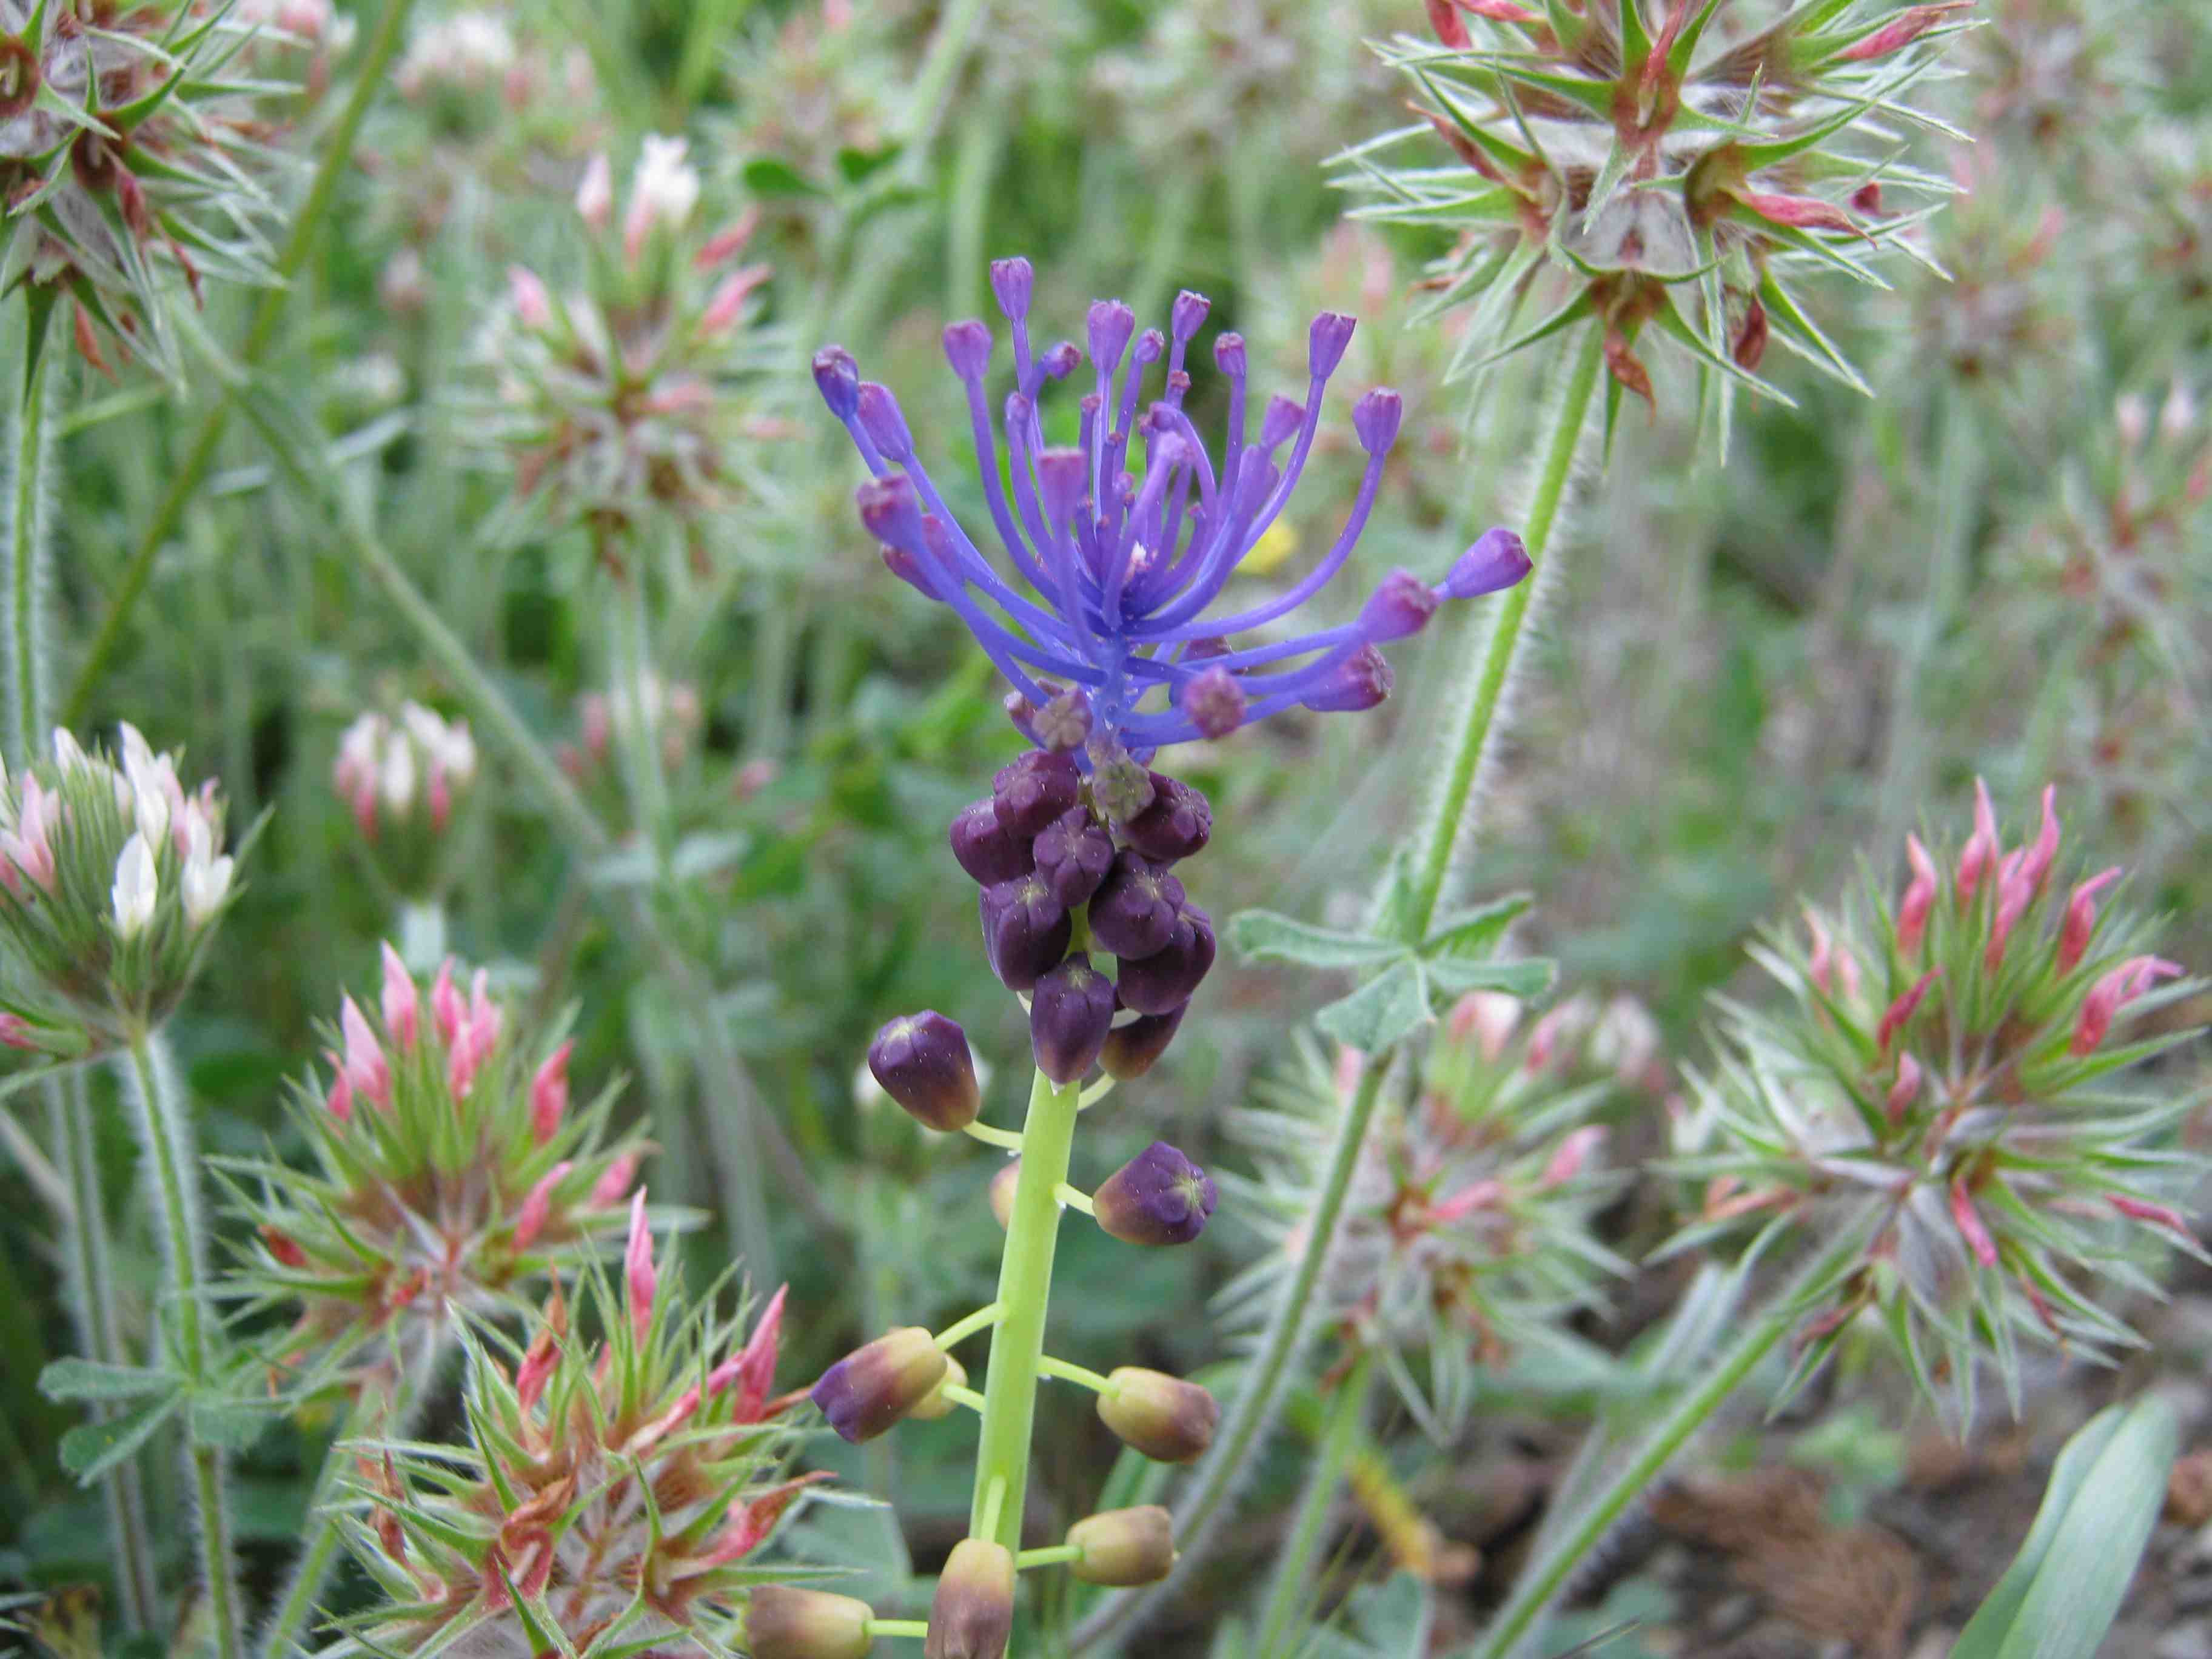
x: 1498, y: 561
x: 1400, y: 606
x: 1375, y: 419
x: 967, y: 348
x: 1326, y: 340
x: 1158, y: 1197
x: 1214, y: 702
x: 838, y: 379
x: 1114, y: 555
x: 1070, y: 1013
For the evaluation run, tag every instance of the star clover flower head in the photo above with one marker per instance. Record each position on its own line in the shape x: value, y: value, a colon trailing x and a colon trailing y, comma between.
x: 1121, y: 544
x: 619, y: 1477
x: 1951, y: 1080
x: 449, y: 1180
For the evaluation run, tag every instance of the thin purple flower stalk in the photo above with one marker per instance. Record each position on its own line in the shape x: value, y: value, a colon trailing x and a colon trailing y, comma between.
x: 1124, y: 562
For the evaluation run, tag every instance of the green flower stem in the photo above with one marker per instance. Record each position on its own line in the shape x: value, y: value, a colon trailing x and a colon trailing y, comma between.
x: 1010, y: 1139
x: 165, y: 1129
x: 98, y: 1309
x: 26, y: 544
x: 916, y: 1627
x: 1048, y: 1555
x: 953, y: 1335
x: 638, y: 727
x: 269, y: 311
x: 1002, y: 1454
x: 1456, y: 799
x: 1068, y: 1371
x: 1296, y: 1582
x: 1544, y: 1576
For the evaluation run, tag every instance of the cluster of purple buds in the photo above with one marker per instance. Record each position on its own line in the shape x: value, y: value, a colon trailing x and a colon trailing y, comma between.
x: 1114, y: 657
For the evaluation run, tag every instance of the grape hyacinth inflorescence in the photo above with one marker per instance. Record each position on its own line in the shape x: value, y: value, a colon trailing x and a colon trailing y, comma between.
x: 1114, y: 652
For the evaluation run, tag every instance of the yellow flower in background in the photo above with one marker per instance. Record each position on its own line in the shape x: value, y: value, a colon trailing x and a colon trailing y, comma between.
x: 1280, y: 542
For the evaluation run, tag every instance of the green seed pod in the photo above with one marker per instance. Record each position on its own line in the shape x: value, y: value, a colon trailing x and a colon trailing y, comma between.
x: 784, y: 1623
x: 1166, y: 1419
x: 1124, y: 1547
x: 973, y: 1614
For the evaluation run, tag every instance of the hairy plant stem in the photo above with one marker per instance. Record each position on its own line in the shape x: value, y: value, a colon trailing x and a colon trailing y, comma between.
x: 99, y: 1334
x: 269, y: 311
x: 1002, y: 1452
x: 1202, y: 1507
x: 165, y: 1127
x: 1453, y: 808
x: 26, y: 541
x: 1542, y: 1578
x: 1295, y: 1585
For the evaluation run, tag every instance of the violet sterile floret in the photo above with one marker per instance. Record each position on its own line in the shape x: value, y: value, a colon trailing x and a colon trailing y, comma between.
x: 1158, y: 1197
x: 1124, y: 540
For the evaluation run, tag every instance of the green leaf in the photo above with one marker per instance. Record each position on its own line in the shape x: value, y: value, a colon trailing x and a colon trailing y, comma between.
x: 1264, y: 936
x: 90, y: 1450
x: 1472, y: 932
x: 770, y: 175
x: 92, y: 1379
x: 2061, y: 1594
x: 1456, y: 975
x: 857, y: 164
x: 229, y: 1424
x: 1389, y: 1008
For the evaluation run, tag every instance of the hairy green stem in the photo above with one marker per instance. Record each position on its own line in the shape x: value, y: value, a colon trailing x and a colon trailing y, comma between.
x: 1454, y: 801
x: 165, y: 1127
x: 1002, y: 1452
x: 269, y: 310
x: 1202, y: 1507
x: 1543, y: 1577
x: 99, y: 1334
x: 1296, y: 1581
x: 26, y: 541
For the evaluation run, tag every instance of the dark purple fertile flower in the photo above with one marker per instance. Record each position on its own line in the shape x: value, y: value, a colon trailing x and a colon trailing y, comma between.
x: 1070, y: 1013
x: 1025, y: 930
x: 985, y: 850
x: 1134, y: 1047
x: 923, y: 1063
x: 1165, y: 981
x: 1133, y: 912
x: 1177, y: 825
x: 1112, y: 579
x: 1158, y: 1197
x: 1072, y: 856
x: 873, y: 1387
x: 1037, y: 788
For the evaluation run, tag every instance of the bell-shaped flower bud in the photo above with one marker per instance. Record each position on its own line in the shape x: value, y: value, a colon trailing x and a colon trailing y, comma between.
x: 1188, y: 313
x: 972, y: 1616
x: 1034, y: 790
x: 784, y: 1622
x: 1229, y: 356
x: 1163, y: 982
x: 1025, y: 931
x: 1158, y: 1197
x: 967, y: 348
x: 1072, y: 855
x: 1375, y: 420
x: 1002, y: 1191
x: 1124, y: 1547
x: 936, y: 1405
x: 1063, y: 474
x: 1176, y: 823
x: 883, y: 422
x: 1133, y: 1048
x: 873, y: 1387
x: 1133, y: 912
x: 837, y: 377
x: 1214, y: 702
x: 1070, y: 1013
x: 1400, y: 607
x: 923, y: 1063
x: 1278, y: 421
x: 984, y: 848
x: 1361, y: 681
x: 1060, y: 361
x: 1108, y: 326
x: 1497, y: 561
x: 1165, y: 1418
x: 1326, y: 342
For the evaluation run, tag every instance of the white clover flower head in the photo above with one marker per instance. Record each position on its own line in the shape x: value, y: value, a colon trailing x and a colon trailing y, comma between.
x: 468, y: 49
x: 136, y: 888
x: 663, y: 191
